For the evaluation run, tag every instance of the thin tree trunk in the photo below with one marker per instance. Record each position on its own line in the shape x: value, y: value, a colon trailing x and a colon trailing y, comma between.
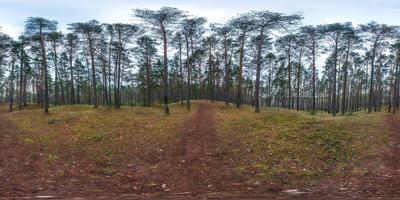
x: 21, y: 74
x: 165, y: 71
x: 344, y: 105
x: 189, y: 65
x: 240, y: 71
x: 334, y: 98
x: 258, y: 73
x: 11, y: 87
x: 45, y: 73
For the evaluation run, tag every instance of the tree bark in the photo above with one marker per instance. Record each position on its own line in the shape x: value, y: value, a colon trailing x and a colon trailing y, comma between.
x: 334, y: 98
x: 258, y: 73
x: 91, y: 49
x: 165, y: 71
x: 45, y: 73
x: 240, y: 71
x: 11, y: 86
x: 344, y: 91
x: 189, y: 65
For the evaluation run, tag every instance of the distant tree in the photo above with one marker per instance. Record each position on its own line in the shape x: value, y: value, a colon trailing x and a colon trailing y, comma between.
x: 38, y: 28
x: 270, y: 57
x: 177, y: 41
x: 314, y: 35
x: 244, y: 24
x: 376, y: 34
x: 265, y: 22
x: 211, y: 42
x: 334, y: 33
x: 22, y: 42
x: 146, y: 48
x: 71, y: 45
x: 224, y: 32
x: 6, y: 44
x: 161, y: 20
x: 192, y: 29
x: 111, y: 32
x: 7, y: 49
x: 55, y: 39
x: 396, y: 73
x: 123, y: 33
x: 90, y: 31
x: 287, y: 43
x: 350, y: 38
x: 299, y: 45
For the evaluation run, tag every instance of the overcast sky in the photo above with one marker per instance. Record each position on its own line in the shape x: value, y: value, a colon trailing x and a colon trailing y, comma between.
x: 13, y: 13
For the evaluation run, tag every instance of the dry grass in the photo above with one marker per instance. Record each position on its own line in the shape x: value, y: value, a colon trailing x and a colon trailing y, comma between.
x: 99, y: 141
x: 290, y: 147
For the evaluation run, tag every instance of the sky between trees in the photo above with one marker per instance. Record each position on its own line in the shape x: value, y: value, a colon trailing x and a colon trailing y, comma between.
x: 13, y: 13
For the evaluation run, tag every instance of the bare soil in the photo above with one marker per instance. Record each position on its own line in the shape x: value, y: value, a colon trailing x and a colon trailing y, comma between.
x: 385, y: 182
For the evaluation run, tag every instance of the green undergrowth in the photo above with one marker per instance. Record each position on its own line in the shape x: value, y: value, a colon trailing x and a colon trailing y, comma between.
x: 100, y: 141
x: 292, y: 147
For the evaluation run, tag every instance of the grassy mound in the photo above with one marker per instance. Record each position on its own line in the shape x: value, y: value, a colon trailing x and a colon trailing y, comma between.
x: 291, y: 147
x: 79, y: 141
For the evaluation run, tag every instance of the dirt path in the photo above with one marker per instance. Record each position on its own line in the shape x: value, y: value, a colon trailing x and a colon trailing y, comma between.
x: 383, y: 182
x: 393, y: 160
x: 387, y: 182
x: 19, y: 173
x: 196, y: 162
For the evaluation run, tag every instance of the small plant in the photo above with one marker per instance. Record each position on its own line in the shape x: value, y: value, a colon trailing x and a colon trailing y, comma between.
x: 28, y: 141
x: 108, y: 171
x: 51, y: 159
x: 52, y: 121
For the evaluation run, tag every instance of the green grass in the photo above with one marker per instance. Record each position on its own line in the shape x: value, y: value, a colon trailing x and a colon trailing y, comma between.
x: 103, y: 140
x: 291, y: 147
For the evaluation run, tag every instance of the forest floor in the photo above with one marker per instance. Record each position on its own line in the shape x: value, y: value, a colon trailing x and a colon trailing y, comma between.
x: 213, y: 152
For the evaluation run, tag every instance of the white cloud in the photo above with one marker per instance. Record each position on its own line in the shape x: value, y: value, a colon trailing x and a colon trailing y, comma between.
x: 11, y: 29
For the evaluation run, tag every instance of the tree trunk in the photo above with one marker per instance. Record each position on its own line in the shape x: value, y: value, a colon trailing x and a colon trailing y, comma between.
x: 181, y: 71
x: 109, y: 69
x: 299, y: 80
x: 289, y: 68
x: 226, y: 96
x: 240, y: 71
x: 149, y: 80
x: 344, y: 103
x: 11, y: 87
x: 72, y: 75
x: 45, y: 73
x: 313, y: 73
x: 21, y: 72
x: 189, y: 65
x: 91, y: 48
x: 371, y: 84
x: 24, y: 90
x: 334, y: 98
x: 210, y: 74
x: 165, y: 71
x: 104, y: 77
x: 56, y: 84
x: 258, y: 73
